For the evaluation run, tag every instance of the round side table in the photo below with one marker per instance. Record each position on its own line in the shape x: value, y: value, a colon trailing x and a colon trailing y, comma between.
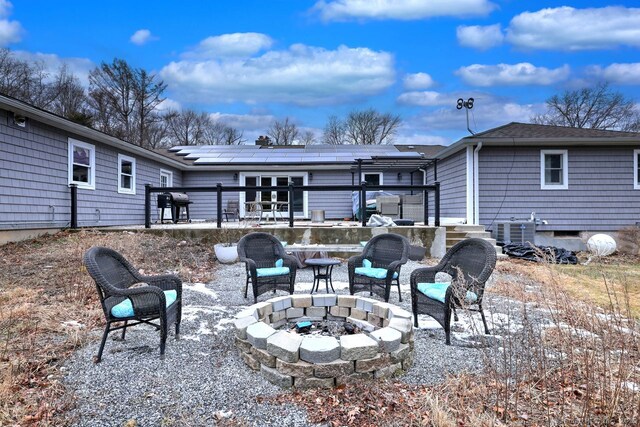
x: 317, y: 264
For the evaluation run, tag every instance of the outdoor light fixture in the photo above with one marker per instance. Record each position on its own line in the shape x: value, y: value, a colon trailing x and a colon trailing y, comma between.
x: 235, y: 176
x: 399, y: 176
x: 310, y: 176
x: 19, y: 120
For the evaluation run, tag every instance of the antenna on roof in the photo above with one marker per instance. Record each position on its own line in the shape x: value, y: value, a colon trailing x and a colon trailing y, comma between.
x: 468, y: 105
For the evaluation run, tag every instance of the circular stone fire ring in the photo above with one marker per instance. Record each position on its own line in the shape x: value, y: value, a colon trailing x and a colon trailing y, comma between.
x: 383, y: 349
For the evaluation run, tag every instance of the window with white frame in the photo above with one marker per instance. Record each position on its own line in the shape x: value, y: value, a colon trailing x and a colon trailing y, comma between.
x: 636, y: 169
x: 82, y: 164
x: 372, y: 178
x: 126, y: 174
x: 554, y: 170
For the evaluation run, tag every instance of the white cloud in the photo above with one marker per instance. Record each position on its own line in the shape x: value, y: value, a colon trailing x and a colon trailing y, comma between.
x: 418, y: 81
x: 302, y: 75
x: 80, y: 67
x: 229, y: 45
x: 480, y: 37
x: 626, y: 74
x: 245, y: 122
x: 523, y: 73
x: 419, y: 139
x: 141, y: 37
x: 169, y: 105
x: 567, y: 28
x: 424, y: 99
x: 408, y: 10
x: 488, y: 112
x: 10, y: 31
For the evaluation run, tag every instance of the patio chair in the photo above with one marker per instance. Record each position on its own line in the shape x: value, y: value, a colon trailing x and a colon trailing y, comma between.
x: 159, y: 297
x: 233, y: 209
x: 268, y: 266
x: 378, y: 267
x: 388, y: 206
x: 469, y: 263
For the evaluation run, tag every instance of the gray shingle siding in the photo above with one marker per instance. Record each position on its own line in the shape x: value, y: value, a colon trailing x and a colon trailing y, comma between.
x: 34, y: 189
x: 452, y: 174
x: 600, y: 196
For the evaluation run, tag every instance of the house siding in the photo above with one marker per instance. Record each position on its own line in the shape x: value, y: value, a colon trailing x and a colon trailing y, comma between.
x: 600, y: 196
x: 34, y: 189
x: 452, y: 175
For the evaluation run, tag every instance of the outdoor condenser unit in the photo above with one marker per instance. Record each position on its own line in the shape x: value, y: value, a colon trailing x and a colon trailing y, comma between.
x: 514, y: 231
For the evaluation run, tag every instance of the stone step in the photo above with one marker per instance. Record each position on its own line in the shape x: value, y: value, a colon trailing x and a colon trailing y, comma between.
x: 479, y: 234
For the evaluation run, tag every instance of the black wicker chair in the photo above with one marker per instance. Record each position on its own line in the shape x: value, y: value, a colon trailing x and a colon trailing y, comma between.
x: 114, y: 277
x: 475, y: 260
x: 260, y: 252
x: 384, y: 251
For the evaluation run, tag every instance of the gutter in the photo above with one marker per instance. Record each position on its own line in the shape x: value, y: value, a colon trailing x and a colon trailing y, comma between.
x: 476, y: 185
x: 18, y: 107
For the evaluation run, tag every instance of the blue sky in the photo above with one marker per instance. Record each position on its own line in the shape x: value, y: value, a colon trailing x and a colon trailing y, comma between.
x: 248, y: 62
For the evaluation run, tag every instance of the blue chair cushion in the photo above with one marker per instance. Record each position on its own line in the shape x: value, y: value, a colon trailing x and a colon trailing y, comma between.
x: 272, y: 271
x: 376, y: 273
x: 279, y: 262
x: 125, y: 308
x: 437, y: 291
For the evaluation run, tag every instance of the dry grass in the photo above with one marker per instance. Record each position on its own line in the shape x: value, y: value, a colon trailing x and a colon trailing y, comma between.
x: 44, y: 284
x: 592, y: 283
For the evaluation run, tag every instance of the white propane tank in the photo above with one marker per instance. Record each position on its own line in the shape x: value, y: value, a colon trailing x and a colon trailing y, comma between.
x: 601, y: 245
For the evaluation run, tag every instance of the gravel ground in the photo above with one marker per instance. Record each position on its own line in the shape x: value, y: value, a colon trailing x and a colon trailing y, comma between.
x: 202, y: 378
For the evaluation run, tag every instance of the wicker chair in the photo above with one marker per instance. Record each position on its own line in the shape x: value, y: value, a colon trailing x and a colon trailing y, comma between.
x: 475, y: 260
x: 385, y: 252
x: 232, y: 209
x: 114, y: 277
x: 261, y: 252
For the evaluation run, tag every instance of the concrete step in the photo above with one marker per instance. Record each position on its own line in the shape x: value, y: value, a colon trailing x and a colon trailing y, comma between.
x: 479, y: 234
x: 464, y: 227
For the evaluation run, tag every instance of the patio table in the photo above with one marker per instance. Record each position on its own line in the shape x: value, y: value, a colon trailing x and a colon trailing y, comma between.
x: 317, y: 264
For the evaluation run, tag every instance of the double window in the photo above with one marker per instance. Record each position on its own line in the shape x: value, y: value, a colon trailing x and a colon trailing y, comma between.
x: 126, y: 174
x: 82, y: 164
x: 554, y: 170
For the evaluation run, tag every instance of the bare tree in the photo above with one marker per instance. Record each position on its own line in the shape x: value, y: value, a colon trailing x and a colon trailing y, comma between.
x: 148, y: 95
x: 23, y: 80
x: 68, y: 97
x: 187, y: 127
x: 595, y: 107
x: 308, y: 137
x: 334, y: 131
x: 369, y: 127
x: 124, y: 100
x: 232, y: 136
x: 283, y: 132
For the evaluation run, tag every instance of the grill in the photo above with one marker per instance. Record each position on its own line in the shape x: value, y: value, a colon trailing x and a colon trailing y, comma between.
x: 175, y: 202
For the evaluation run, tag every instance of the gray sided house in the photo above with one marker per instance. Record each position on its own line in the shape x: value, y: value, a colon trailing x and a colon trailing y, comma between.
x: 41, y: 154
x: 316, y: 165
x: 575, y: 180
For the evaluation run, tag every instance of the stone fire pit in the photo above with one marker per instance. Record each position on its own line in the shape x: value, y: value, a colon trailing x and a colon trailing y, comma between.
x: 383, y: 349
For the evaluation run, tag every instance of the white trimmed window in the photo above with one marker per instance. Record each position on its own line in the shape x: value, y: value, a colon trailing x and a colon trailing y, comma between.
x: 126, y: 174
x: 636, y: 169
x: 372, y: 178
x: 554, y: 170
x: 82, y: 164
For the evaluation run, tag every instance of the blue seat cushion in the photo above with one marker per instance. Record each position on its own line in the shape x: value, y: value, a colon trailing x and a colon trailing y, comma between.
x: 125, y: 308
x: 272, y: 271
x: 437, y: 291
x: 376, y: 273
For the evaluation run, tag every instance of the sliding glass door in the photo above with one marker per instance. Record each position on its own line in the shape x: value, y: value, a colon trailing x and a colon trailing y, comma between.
x: 275, y: 199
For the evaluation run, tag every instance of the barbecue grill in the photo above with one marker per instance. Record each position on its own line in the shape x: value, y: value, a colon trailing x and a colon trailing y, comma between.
x: 175, y: 202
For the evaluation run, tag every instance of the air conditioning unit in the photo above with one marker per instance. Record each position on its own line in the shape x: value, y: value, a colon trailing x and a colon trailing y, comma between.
x: 514, y: 231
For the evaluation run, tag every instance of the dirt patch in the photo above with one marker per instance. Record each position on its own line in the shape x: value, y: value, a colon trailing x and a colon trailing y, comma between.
x: 48, y: 306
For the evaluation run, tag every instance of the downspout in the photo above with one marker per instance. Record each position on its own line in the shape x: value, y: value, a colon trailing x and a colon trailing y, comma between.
x: 476, y: 190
